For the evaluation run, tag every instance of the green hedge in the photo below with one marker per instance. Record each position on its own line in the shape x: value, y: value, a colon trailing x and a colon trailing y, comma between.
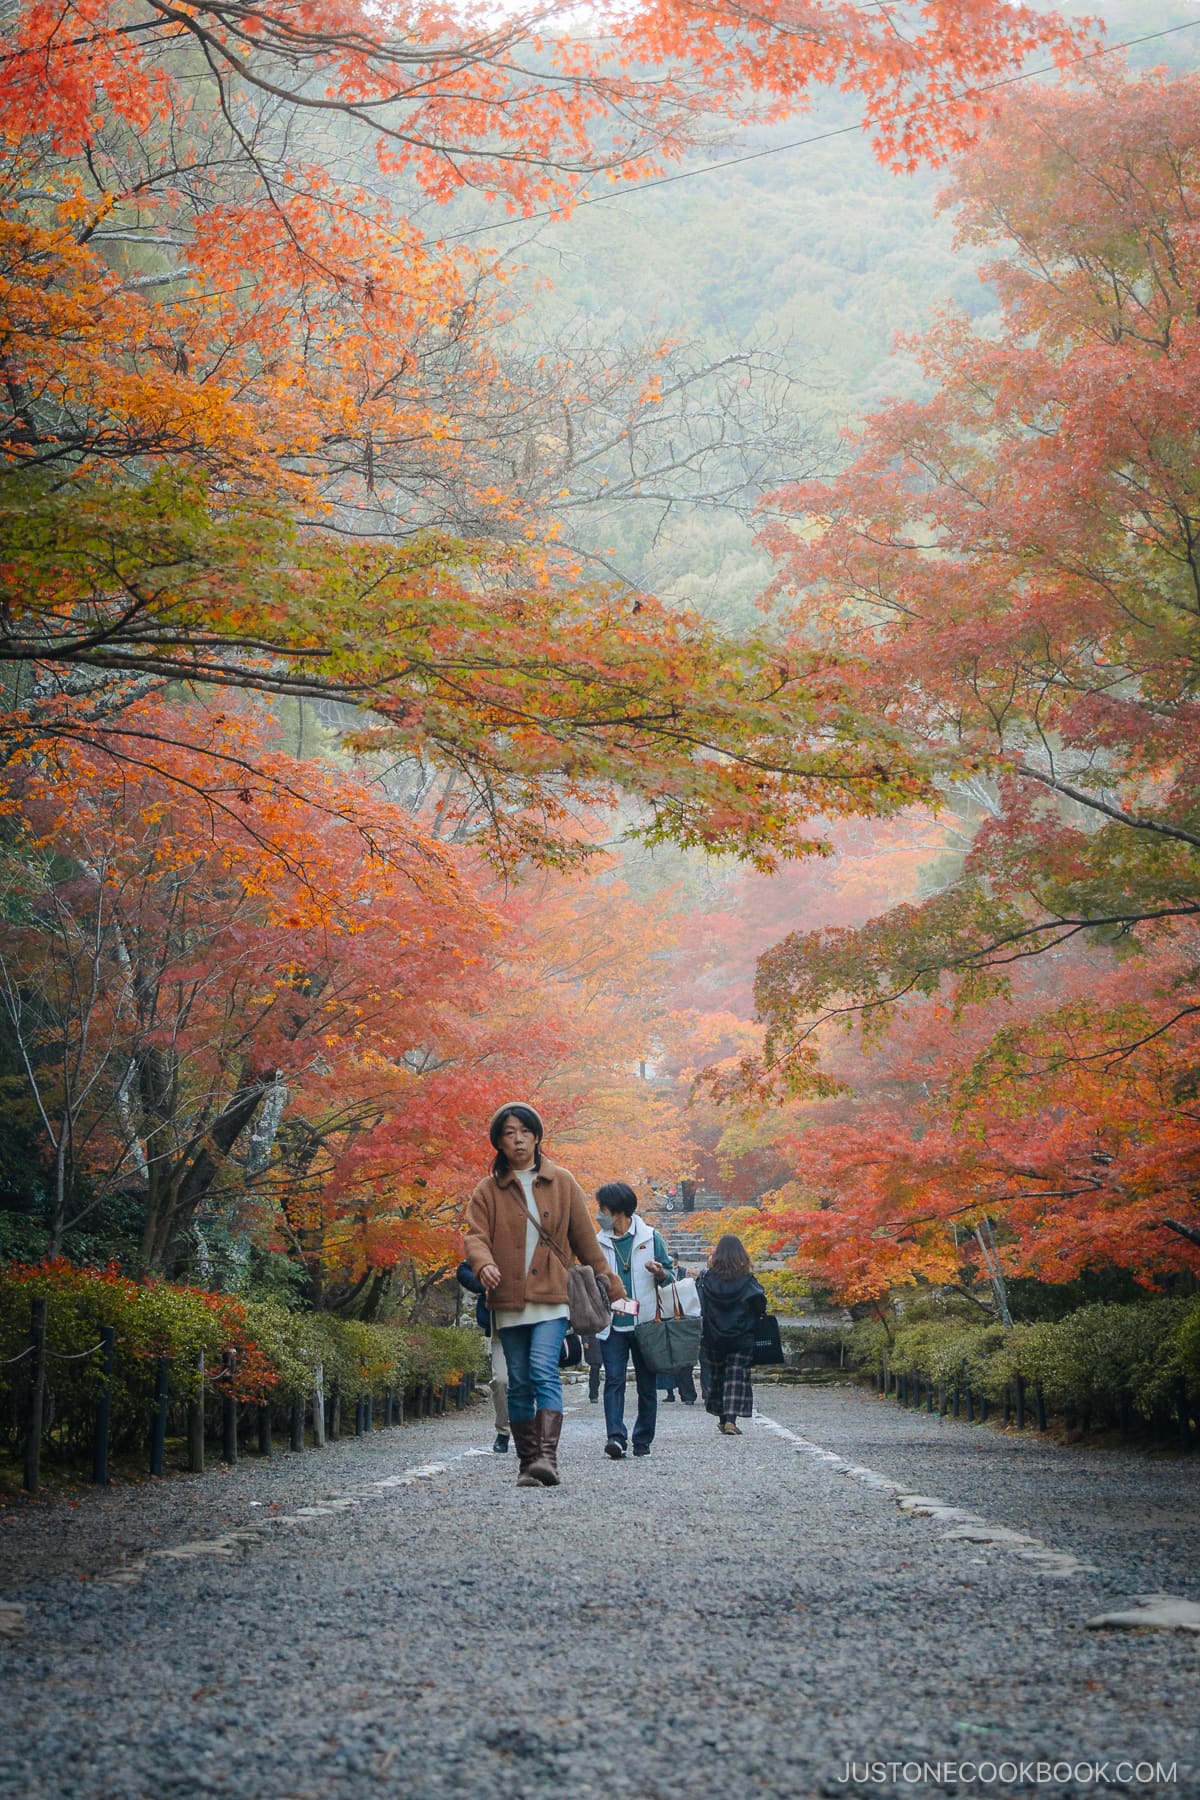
x: 1106, y: 1360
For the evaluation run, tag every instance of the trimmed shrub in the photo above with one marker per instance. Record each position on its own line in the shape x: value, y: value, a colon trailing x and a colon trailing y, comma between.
x: 1106, y: 1360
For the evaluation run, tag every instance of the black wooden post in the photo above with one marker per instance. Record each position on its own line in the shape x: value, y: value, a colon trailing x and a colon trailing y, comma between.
x: 369, y: 1416
x: 360, y: 1413
x: 1020, y: 1403
x: 983, y: 1409
x: 1183, y: 1413
x: 970, y: 1405
x: 1039, y: 1403
x: 158, y: 1436
x: 929, y: 1394
x: 104, y: 1410
x: 37, y: 1395
x: 335, y: 1411
x: 389, y: 1406
x: 297, y: 1442
x: 229, y: 1418
x: 195, y: 1423
x: 264, y: 1430
x: 957, y: 1400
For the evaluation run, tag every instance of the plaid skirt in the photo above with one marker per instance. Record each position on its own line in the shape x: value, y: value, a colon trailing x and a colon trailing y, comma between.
x: 728, y: 1393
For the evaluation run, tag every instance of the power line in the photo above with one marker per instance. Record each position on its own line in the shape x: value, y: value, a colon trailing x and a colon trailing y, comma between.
x: 820, y: 137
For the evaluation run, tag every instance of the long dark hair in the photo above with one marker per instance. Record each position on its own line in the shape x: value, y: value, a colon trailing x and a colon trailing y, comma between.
x: 531, y: 1122
x: 729, y: 1259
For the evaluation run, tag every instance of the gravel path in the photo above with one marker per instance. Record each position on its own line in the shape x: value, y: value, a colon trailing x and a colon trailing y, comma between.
x: 726, y: 1618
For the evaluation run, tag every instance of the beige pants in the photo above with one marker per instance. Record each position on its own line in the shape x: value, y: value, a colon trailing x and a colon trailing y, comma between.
x: 499, y: 1383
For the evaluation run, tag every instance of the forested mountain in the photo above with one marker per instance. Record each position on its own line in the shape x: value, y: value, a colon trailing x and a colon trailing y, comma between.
x: 813, y: 258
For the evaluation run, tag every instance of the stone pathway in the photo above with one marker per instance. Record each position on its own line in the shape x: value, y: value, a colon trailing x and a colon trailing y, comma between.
x: 849, y: 1600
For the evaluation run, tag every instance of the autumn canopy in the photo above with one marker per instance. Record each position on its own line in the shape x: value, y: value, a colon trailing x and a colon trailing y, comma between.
x: 323, y: 740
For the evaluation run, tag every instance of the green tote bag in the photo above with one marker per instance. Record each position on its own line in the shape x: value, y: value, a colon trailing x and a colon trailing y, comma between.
x: 670, y: 1340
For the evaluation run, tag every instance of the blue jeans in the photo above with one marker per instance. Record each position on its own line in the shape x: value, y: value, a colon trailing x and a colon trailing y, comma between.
x: 531, y: 1352
x: 617, y: 1348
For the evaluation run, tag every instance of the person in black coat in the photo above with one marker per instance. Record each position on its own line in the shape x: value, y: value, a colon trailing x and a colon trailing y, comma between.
x: 731, y: 1302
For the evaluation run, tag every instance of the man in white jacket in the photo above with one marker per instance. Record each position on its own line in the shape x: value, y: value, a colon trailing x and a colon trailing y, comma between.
x: 636, y: 1252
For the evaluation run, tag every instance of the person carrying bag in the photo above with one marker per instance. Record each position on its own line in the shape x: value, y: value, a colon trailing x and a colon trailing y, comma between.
x: 638, y: 1257
x: 524, y: 1224
x: 732, y: 1303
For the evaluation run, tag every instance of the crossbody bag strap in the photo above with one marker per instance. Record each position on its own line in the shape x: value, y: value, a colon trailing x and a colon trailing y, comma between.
x: 543, y: 1234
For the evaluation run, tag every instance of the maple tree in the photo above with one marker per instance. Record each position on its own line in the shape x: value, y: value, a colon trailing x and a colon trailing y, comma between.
x: 232, y: 958
x: 1020, y: 551
x: 284, y: 1014
x: 250, y: 432
x: 558, y: 1004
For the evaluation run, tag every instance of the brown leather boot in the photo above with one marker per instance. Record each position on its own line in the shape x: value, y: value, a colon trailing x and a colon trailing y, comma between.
x: 526, y: 1437
x: 549, y: 1429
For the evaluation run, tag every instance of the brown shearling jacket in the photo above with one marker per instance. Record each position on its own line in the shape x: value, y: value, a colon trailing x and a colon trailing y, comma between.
x: 496, y: 1219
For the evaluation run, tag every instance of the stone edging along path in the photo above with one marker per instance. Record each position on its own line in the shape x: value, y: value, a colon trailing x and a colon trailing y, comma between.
x: 1159, y: 1611
x: 229, y: 1542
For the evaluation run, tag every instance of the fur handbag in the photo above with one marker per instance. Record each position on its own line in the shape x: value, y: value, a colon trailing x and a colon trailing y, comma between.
x: 589, y: 1309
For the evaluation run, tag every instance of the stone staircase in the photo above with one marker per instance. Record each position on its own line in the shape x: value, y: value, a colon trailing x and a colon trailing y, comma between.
x: 686, y: 1246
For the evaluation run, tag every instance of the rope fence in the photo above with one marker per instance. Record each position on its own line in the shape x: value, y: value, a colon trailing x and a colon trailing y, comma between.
x: 189, y: 1407
x: 1174, y: 1423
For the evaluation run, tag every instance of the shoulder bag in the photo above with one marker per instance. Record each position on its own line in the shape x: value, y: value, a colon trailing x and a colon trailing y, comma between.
x: 588, y: 1307
x: 768, y: 1346
x: 670, y: 1340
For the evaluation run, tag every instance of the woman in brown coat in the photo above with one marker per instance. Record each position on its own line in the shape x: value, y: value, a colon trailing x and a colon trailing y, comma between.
x: 526, y: 1224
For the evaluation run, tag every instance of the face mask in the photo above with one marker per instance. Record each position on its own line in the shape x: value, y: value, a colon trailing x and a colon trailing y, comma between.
x: 605, y: 1221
